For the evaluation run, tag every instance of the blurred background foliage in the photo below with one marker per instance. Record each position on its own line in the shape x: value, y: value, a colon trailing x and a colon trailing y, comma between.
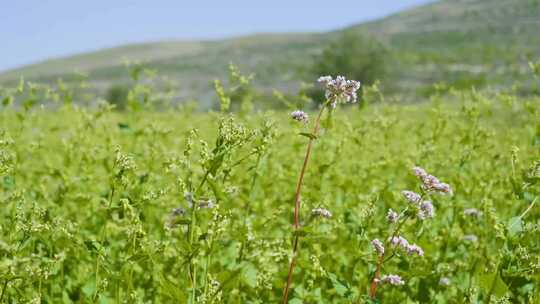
x: 481, y: 44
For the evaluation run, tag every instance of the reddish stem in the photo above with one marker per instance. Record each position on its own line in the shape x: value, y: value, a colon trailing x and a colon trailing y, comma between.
x: 297, y: 208
x: 373, y: 288
x: 381, y: 260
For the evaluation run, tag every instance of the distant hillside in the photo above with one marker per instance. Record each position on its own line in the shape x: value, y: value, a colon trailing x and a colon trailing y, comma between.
x: 460, y: 42
x: 463, y: 41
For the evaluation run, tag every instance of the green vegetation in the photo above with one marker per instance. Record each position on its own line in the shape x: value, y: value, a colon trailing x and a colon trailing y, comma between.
x: 146, y: 206
x: 113, y: 191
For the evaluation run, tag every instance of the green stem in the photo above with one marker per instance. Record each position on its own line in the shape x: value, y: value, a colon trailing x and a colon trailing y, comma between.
x: 207, y: 265
x: 4, y: 287
x: 492, y: 287
x: 97, y: 279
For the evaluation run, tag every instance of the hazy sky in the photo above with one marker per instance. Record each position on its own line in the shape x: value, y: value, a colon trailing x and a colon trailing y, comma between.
x: 34, y: 30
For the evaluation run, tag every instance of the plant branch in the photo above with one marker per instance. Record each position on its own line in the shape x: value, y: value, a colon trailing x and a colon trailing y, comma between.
x: 297, y: 206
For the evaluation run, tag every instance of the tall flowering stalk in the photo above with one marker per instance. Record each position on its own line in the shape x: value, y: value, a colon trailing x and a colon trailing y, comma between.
x: 336, y: 90
x: 423, y: 209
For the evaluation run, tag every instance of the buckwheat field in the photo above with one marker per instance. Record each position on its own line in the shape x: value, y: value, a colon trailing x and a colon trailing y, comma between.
x: 342, y: 199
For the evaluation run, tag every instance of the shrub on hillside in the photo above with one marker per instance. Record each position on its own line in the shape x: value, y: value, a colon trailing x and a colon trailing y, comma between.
x: 353, y: 55
x: 117, y: 95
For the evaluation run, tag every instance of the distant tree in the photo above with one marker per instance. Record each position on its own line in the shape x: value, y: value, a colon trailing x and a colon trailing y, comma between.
x: 353, y: 55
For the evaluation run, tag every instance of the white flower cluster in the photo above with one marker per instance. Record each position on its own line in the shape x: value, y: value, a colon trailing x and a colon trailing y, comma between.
x: 444, y: 281
x: 321, y: 212
x: 470, y: 238
x: 392, y: 216
x: 300, y: 116
x: 472, y: 212
x: 339, y: 89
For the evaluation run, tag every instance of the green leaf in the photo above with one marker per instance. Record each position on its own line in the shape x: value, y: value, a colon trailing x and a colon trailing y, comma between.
x: 492, y: 283
x: 485, y: 280
x: 341, y: 287
x: 308, y: 135
x: 92, y: 245
x: 182, y: 222
x: 515, y: 226
x: 29, y: 103
x: 89, y: 289
x: 8, y: 100
x: 499, y: 287
x: 138, y: 257
x: 170, y: 288
x: 8, y: 182
x: 249, y: 275
x: 216, y: 189
x: 123, y: 126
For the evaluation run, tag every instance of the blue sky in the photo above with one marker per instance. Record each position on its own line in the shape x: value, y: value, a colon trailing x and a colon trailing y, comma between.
x: 34, y: 30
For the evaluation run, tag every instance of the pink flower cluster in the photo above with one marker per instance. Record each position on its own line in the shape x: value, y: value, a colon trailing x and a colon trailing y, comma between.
x: 339, y: 89
x: 392, y: 279
x: 403, y: 243
x: 431, y: 183
x: 412, y: 197
x: 378, y: 245
x: 425, y: 208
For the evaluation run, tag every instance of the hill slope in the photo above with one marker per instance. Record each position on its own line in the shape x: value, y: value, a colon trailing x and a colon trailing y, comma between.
x: 462, y: 42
